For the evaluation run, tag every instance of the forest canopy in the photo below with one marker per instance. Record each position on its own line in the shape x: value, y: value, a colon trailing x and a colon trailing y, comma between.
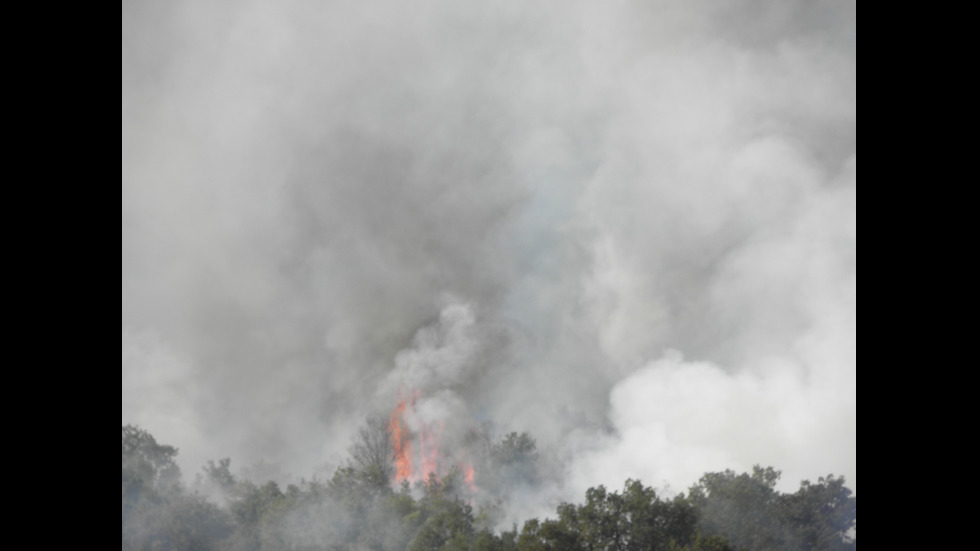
x: 363, y: 507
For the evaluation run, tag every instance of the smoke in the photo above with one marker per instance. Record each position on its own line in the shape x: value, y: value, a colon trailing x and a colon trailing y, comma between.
x: 520, y: 209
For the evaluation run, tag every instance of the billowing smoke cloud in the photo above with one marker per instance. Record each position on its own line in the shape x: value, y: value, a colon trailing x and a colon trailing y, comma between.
x: 629, y: 228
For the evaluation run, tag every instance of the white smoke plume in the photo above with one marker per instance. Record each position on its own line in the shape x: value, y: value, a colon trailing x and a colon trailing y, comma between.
x: 628, y: 228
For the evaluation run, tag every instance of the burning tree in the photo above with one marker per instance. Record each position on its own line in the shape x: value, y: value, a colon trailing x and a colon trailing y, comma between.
x: 417, y: 447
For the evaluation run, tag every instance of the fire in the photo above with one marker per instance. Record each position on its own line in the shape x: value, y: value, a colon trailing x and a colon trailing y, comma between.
x: 400, y: 442
x: 406, y: 429
x: 430, y: 453
x: 468, y: 474
x: 408, y: 465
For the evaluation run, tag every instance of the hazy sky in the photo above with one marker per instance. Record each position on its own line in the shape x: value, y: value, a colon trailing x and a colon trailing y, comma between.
x: 627, y: 227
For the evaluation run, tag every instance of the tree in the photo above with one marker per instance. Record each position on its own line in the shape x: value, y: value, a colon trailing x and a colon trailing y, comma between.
x: 820, y: 516
x: 449, y: 527
x: 179, y: 522
x: 741, y: 507
x: 156, y: 513
x: 217, y: 481
x: 748, y: 511
x: 148, y: 470
x: 147, y: 464
x: 516, y: 457
x: 702, y: 543
x: 372, y: 451
x: 637, y: 519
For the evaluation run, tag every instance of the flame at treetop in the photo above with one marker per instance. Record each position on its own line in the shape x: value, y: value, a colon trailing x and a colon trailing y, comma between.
x: 400, y: 441
x: 409, y: 464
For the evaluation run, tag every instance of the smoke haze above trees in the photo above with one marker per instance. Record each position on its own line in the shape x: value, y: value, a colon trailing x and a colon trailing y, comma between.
x: 628, y: 229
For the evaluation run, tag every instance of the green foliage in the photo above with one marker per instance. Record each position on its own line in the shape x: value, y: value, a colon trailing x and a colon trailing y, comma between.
x: 702, y: 543
x: 146, y: 465
x: 547, y: 535
x: 486, y: 540
x: 635, y: 519
x: 447, y: 526
x: 820, y: 516
x: 515, y: 459
x: 179, y: 522
x: 740, y: 507
x: 356, y: 509
x: 511, y: 466
x: 372, y: 452
x: 156, y: 513
x: 747, y: 510
x: 216, y: 481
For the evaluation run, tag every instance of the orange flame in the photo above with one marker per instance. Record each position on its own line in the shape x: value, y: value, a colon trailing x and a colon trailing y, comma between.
x: 409, y: 464
x: 468, y: 474
x: 401, y: 444
x: 430, y: 455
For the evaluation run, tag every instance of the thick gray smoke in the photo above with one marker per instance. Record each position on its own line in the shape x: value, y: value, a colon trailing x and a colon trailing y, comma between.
x: 628, y: 228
